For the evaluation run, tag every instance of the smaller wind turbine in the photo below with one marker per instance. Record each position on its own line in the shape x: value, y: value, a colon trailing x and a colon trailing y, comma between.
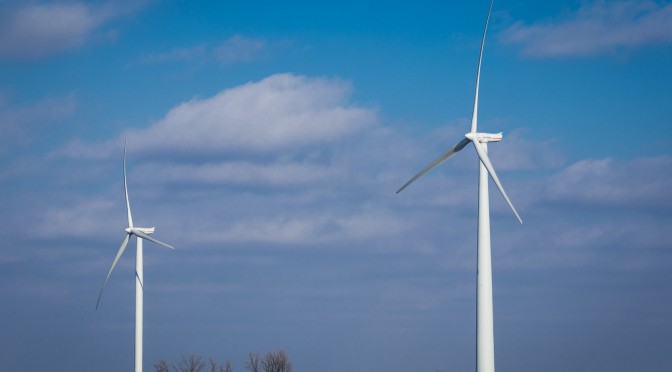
x: 140, y: 233
x: 485, y: 338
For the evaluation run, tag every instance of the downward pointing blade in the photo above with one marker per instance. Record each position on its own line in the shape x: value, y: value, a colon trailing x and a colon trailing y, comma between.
x: 443, y: 157
x: 145, y: 236
x: 483, y: 155
x: 128, y: 204
x: 114, y: 263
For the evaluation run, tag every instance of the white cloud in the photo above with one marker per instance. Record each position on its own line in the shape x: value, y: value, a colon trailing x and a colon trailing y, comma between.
x: 31, y: 31
x: 596, y: 28
x: 283, y: 111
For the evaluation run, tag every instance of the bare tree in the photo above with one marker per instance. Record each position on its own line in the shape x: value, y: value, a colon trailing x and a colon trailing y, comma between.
x: 276, y: 362
x: 192, y: 363
x: 252, y: 362
x: 162, y: 366
x: 224, y: 367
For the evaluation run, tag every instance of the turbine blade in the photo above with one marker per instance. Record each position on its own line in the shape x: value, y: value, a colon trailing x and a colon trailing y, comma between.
x: 128, y: 204
x: 443, y: 157
x: 474, y: 116
x: 145, y: 236
x: 114, y: 263
x: 483, y: 155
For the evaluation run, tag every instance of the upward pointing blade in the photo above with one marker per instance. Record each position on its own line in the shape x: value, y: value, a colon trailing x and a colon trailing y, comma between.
x: 145, y: 236
x: 443, y: 157
x: 114, y: 263
x: 128, y: 204
x: 474, y: 116
x: 483, y: 155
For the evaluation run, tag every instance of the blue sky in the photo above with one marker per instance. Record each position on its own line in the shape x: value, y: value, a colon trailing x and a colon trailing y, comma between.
x: 266, y: 140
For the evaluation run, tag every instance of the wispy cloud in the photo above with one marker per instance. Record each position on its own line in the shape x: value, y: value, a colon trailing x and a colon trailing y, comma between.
x: 78, y: 221
x: 323, y: 228
x: 236, y: 49
x: 20, y: 123
x: 35, y: 30
x: 609, y: 183
x: 194, y: 53
x: 239, y: 49
x: 595, y: 28
x: 248, y: 173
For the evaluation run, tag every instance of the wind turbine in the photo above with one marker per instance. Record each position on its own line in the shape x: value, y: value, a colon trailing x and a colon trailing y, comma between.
x: 485, y: 339
x: 140, y: 233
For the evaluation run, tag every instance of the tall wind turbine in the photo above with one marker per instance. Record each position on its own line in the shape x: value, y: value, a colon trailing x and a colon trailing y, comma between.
x: 485, y: 339
x: 140, y: 234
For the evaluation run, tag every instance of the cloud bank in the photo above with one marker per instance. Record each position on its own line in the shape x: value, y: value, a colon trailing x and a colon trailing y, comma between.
x: 290, y: 160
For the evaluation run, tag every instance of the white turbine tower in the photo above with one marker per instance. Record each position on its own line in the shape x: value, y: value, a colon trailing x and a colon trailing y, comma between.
x: 140, y: 233
x: 485, y: 339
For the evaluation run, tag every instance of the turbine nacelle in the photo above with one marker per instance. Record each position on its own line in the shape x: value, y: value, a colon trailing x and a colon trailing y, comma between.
x: 146, y: 230
x: 484, y: 137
